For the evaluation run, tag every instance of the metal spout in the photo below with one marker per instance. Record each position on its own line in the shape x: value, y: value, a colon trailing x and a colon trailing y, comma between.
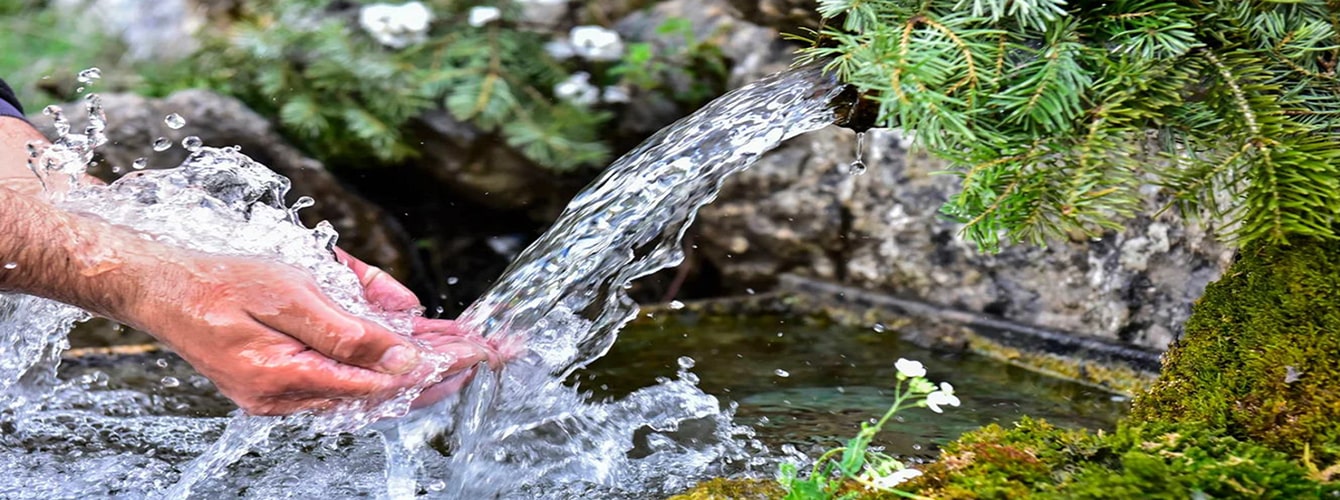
x: 855, y: 110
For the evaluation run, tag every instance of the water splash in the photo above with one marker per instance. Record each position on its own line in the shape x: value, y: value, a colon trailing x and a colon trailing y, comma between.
x: 516, y: 431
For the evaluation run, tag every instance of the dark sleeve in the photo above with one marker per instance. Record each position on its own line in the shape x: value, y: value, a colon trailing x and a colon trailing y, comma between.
x: 9, y: 104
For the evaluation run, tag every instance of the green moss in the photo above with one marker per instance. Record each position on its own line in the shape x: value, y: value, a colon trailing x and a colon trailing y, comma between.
x: 1260, y: 358
x: 732, y: 489
x: 1036, y: 460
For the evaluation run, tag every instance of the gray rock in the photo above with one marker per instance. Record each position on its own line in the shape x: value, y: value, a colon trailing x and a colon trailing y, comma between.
x: 799, y: 210
x: 483, y: 169
x: 134, y: 122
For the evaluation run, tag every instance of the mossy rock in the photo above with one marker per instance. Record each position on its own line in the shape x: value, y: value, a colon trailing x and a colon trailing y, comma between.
x: 1260, y: 357
x: 732, y: 489
x: 1174, y: 461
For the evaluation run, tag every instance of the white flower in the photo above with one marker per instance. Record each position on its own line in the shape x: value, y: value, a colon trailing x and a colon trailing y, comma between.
x: 595, y: 43
x: 615, y: 93
x: 894, y: 479
x: 396, y: 26
x: 944, y: 396
x: 483, y: 14
x: 909, y: 368
x: 577, y: 89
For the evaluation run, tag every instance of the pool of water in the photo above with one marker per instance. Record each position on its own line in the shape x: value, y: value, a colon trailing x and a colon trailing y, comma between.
x: 810, y: 383
x: 125, y: 425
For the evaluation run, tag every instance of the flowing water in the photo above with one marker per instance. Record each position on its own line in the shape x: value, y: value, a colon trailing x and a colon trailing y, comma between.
x: 514, y: 431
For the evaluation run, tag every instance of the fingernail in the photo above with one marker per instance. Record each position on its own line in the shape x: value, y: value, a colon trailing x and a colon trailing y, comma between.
x: 399, y: 359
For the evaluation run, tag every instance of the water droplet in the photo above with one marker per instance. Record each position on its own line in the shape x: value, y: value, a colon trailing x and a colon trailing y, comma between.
x: 780, y: 334
x: 79, y: 89
x: 436, y: 486
x: 170, y: 382
x: 685, y: 362
x: 878, y: 328
x: 782, y: 373
x: 162, y: 144
x: 749, y: 291
x: 857, y: 167
x: 192, y: 143
x: 174, y: 121
x: 303, y: 202
x: 11, y: 265
x: 452, y: 280
x: 139, y: 163
x: 916, y: 447
x: 676, y: 305
x: 89, y: 75
x: 162, y: 363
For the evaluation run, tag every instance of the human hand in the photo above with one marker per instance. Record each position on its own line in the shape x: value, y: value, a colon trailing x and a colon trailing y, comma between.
x: 438, y: 335
x: 272, y: 342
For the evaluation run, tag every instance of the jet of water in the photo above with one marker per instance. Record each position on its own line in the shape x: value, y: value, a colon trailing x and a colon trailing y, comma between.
x: 517, y: 430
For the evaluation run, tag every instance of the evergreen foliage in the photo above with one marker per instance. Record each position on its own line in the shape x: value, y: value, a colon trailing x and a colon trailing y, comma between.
x: 341, y: 95
x: 1055, y: 113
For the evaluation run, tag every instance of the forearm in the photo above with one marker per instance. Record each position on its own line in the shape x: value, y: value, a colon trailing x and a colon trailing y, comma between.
x: 75, y: 259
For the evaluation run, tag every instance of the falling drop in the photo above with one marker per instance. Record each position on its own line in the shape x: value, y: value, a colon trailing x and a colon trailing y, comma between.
x: 89, y: 75
x: 162, y: 144
x: 11, y: 265
x: 162, y: 363
x: 174, y: 121
x: 878, y: 328
x: 685, y: 362
x: 857, y: 166
x: 676, y: 305
x: 170, y: 382
x: 452, y: 280
x: 782, y: 373
x: 139, y: 163
x: 192, y: 143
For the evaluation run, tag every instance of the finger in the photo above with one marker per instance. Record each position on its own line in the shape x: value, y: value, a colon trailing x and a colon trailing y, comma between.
x: 379, y: 288
x: 451, y: 385
x: 313, y: 320
x: 463, y: 353
x: 314, y: 376
x: 437, y: 327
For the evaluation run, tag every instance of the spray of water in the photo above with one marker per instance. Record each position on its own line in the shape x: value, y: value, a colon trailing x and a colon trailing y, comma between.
x: 514, y: 431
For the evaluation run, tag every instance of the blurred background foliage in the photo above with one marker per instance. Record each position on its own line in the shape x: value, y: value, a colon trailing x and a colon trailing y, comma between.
x: 347, y: 99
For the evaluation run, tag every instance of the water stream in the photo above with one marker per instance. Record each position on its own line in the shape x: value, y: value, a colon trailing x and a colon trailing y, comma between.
x: 515, y: 431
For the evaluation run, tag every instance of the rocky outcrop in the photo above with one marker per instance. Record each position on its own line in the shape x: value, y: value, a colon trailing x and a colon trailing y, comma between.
x: 800, y: 210
x: 135, y: 122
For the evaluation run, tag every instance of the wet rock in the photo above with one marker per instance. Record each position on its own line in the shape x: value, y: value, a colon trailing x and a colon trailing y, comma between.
x: 786, y: 15
x: 483, y: 169
x: 799, y: 210
x: 160, y: 31
x: 134, y: 122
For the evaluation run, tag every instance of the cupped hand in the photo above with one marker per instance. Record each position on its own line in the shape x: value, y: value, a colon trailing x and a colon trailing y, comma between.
x: 438, y: 335
x: 273, y: 343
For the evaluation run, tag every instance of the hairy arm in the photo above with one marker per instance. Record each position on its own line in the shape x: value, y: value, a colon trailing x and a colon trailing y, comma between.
x: 262, y: 331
